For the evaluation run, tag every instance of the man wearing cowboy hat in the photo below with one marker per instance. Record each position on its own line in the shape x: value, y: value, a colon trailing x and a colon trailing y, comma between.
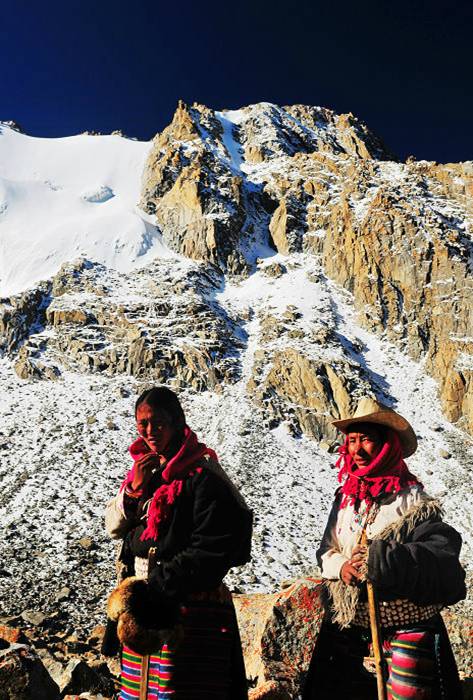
x: 412, y: 558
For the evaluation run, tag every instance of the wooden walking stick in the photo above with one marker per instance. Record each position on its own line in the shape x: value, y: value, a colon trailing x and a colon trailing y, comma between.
x: 376, y: 638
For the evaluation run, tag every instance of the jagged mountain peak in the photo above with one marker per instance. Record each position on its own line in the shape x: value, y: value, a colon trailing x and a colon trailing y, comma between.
x: 266, y: 131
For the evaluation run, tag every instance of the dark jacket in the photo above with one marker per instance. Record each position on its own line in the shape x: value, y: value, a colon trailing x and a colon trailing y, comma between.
x: 421, y: 565
x: 208, y: 531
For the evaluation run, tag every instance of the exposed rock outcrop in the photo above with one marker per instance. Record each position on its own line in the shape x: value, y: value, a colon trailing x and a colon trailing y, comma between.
x: 194, y: 185
x: 397, y: 236
x: 22, y: 316
x: 313, y: 392
x: 302, y: 373
x: 153, y: 326
x: 287, y: 226
x: 193, y: 190
x: 408, y: 266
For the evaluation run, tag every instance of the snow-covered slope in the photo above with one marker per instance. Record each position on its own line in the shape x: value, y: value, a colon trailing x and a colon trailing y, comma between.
x: 62, y: 198
x: 64, y: 453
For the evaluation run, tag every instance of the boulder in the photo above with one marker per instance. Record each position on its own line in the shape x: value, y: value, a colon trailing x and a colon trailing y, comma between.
x: 34, y: 617
x: 460, y: 632
x: 80, y: 677
x: 24, y: 677
x: 54, y: 665
x: 11, y: 634
x: 274, y: 270
x: 279, y: 631
x: 271, y: 690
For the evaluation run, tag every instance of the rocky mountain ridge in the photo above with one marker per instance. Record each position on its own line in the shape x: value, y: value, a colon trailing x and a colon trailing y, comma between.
x: 224, y: 188
x: 398, y: 236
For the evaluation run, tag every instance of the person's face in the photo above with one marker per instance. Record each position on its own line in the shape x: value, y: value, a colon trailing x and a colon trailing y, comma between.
x: 363, y: 446
x: 155, y: 428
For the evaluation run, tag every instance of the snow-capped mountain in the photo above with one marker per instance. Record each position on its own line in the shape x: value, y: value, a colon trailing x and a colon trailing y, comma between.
x: 273, y: 265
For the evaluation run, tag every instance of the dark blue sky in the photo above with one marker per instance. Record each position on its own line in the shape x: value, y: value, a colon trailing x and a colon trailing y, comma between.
x: 404, y: 67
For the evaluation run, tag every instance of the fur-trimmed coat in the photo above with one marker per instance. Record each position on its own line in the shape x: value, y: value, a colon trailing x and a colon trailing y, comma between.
x: 412, y: 553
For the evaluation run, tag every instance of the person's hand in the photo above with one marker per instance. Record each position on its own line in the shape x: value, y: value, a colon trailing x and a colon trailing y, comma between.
x: 351, y: 570
x: 143, y: 471
x: 349, y: 573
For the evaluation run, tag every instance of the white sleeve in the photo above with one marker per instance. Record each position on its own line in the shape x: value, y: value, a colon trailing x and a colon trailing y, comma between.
x: 330, y: 554
x: 116, y: 522
x: 332, y: 562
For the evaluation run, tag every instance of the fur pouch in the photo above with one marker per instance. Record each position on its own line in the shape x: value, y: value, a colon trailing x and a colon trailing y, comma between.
x: 145, y: 619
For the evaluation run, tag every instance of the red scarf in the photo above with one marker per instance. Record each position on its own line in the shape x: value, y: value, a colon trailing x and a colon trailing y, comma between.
x: 386, y: 473
x: 175, y: 471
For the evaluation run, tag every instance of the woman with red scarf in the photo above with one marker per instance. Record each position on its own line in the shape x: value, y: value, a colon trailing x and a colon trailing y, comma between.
x: 411, y: 558
x: 183, y: 525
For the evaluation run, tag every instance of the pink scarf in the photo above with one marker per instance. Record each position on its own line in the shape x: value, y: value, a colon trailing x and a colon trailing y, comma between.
x: 386, y: 473
x: 175, y: 471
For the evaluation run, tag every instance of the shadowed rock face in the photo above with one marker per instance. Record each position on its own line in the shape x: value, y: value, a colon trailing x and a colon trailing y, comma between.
x: 398, y: 236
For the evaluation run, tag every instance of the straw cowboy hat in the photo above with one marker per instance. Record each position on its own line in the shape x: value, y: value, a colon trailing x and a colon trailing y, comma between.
x: 371, y: 411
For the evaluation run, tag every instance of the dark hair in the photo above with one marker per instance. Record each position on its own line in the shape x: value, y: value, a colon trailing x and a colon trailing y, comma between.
x: 367, y: 427
x: 163, y: 399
